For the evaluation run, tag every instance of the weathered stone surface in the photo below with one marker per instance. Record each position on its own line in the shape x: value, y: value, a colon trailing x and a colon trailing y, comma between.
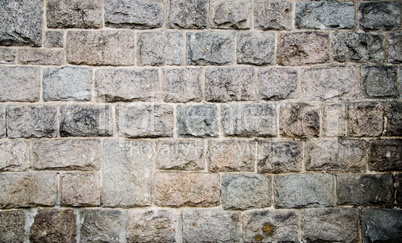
x: 365, y: 119
x: 37, y: 121
x: 86, y: 121
x: 231, y: 155
x: 331, y: 225
x: 302, y: 48
x: 246, y: 191
x: 7, y: 56
x: 14, y: 155
x: 379, y: 81
x: 231, y: 15
x: 249, y: 120
x: 230, y: 84
x: 19, y: 84
x: 299, y: 120
x: 210, y: 225
x: 325, y: 15
x: 395, y: 47
x: 182, y: 85
x: 379, y: 15
x: 137, y: 14
x: 277, y: 83
x: 155, y: 225
x: 273, y: 15
x: 127, y: 173
x: 398, y: 187
x: 187, y: 14
x: 381, y: 225
x: 21, y: 23
x: 393, y: 115
x: 176, y: 189
x: 114, y: 85
x: 256, y: 48
x: 40, y: 57
x: 279, y: 156
x: 197, y: 121
x: 54, y: 39
x: 54, y: 225
x: 109, y: 47
x: 2, y: 121
x: 67, y: 83
x: 83, y: 14
x: 385, y: 155
x: 28, y: 189
x: 304, y: 190
x: 334, y: 120
x: 365, y: 189
x: 180, y: 155
x: 210, y: 48
x: 12, y: 227
x: 80, y: 189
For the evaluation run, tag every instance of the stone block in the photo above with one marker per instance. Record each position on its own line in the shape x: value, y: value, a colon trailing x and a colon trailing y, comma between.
x: 273, y: 15
x: 231, y: 15
x: 15, y: 155
x: 334, y: 119
x: 381, y: 225
x: 385, y: 155
x: 197, y: 121
x: 379, y: 15
x: 398, y: 189
x: 80, y: 189
x: 7, y: 56
x: 299, y: 120
x: 379, y: 81
x: 393, y: 115
x: 395, y: 47
x: 40, y: 57
x: 365, y: 119
x: 54, y: 39
x: 187, y: 14
x: 12, y: 227
x: 256, y: 48
x: 21, y: 84
x: 2, y: 121
x: 182, y: 85
x: 277, y: 83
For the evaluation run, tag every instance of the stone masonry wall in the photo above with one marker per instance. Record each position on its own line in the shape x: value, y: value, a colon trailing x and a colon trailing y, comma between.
x: 200, y: 121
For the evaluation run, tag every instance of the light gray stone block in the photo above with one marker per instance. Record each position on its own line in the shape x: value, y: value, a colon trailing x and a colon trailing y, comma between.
x: 273, y: 15
x: 21, y: 84
x: 197, y: 121
x: 187, y: 14
x: 231, y: 14
x: 182, y: 85
x: 255, y: 48
x: 41, y: 57
x: 278, y: 83
x: 279, y: 156
x: 180, y: 155
x: 15, y: 155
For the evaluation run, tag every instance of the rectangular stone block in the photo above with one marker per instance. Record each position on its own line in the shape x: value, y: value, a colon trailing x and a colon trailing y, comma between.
x: 255, y: 48
x: 381, y: 225
x: 379, y: 81
x: 379, y: 15
x: 365, y: 119
x: 177, y: 189
x: 197, y: 121
x: 80, y: 189
x: 54, y: 39
x: 334, y: 119
x: 187, y: 14
x: 231, y: 15
x: 273, y: 15
x: 385, y: 155
x: 12, y: 227
x: 299, y: 120
x: 15, y: 155
x: 182, y: 85
x: 21, y: 84
x: 393, y: 116
x: 2, y: 121
x: 40, y: 57
x: 7, y: 56
x: 277, y: 83
x: 395, y: 47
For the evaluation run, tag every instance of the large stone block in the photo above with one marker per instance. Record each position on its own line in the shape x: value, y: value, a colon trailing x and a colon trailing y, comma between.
x: 80, y: 189
x: 381, y: 225
x: 197, y: 121
x: 379, y: 15
x: 277, y: 83
x: 7, y: 56
x: 54, y: 39
x: 385, y: 155
x: 19, y: 84
x: 187, y: 14
x: 299, y: 120
x: 334, y: 119
x: 379, y: 81
x: 273, y: 15
x: 182, y: 85
x: 40, y: 57
x: 393, y: 115
x: 12, y: 227
x: 14, y: 155
x: 2, y: 121
x: 256, y: 48
x: 395, y: 47
x: 231, y: 15
x: 365, y: 119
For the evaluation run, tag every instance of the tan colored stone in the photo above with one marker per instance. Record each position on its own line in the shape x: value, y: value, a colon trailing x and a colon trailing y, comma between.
x: 41, y: 57
x: 12, y: 225
x: 14, y: 155
x: 80, y: 189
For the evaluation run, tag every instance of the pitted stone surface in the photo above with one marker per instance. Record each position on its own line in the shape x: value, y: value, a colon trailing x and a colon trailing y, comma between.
x: 12, y: 227
x: 393, y: 115
x: 273, y: 15
x: 381, y: 225
x: 197, y: 121
x: 277, y: 83
x: 365, y: 119
x: 385, y: 155
x: 21, y: 84
x: 299, y: 120
x: 180, y: 155
x: 187, y: 14
x: 15, y: 155
x: 379, y: 15
x: 7, y: 56
x: 41, y: 57
x: 255, y: 48
x: 334, y: 119
x: 379, y: 81
x: 395, y: 47
x: 231, y: 14
x: 2, y: 121
x: 80, y: 189
x: 182, y: 85
x: 54, y: 39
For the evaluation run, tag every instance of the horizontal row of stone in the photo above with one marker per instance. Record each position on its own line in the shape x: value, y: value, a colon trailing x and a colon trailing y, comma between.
x: 201, y: 225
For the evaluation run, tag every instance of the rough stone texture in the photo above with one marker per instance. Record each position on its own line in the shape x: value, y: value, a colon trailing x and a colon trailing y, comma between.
x: 302, y: 48
x: 82, y: 14
x: 385, y: 155
x: 279, y: 156
x: 304, y: 190
x: 114, y: 85
x: 80, y: 189
x: 108, y: 47
x: 145, y: 120
x: 381, y: 225
x: 210, y: 225
x: 379, y: 15
x: 231, y: 14
x: 334, y: 120
x: 137, y: 14
x: 231, y: 155
x: 21, y: 23
x: 325, y: 15
x: 273, y: 15
x: 14, y: 155
x: 395, y: 47
x: 230, y: 84
x: 249, y: 120
x: 180, y: 155
x: 331, y: 225
x: 187, y: 14
x: 379, y: 81
x: 277, y: 83
x: 40, y: 57
x: 54, y: 225
x: 365, y: 119
x: 54, y: 39
x: 365, y: 189
x: 7, y: 56
x: 27, y: 189
x: 210, y: 48
x: 299, y: 120
x: 246, y: 191
x: 182, y: 85
x: 255, y: 48
x: 19, y: 84
x: 197, y: 121
x: 393, y: 115
x: 12, y: 226
x: 36, y: 121
x: 398, y: 187
x: 358, y: 47
x: 2, y: 121
x: 176, y: 189
x: 67, y: 84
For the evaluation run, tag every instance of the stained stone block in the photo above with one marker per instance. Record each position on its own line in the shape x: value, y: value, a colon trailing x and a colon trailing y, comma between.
x: 379, y: 81
x: 256, y: 48
x: 14, y: 155
x: 379, y: 15
x: 7, y: 56
x: 2, y: 121
x: 395, y: 47
x: 273, y: 15
x: 80, y: 189
x: 334, y: 119
x: 41, y: 57
x: 365, y: 119
x: 12, y: 227
x: 54, y: 39
x: 393, y: 114
x: 21, y: 84
x: 197, y: 121
x: 231, y: 14
x: 385, y: 155
x: 381, y: 225
x: 187, y: 14
x: 277, y: 83
x: 299, y: 120
x: 182, y: 85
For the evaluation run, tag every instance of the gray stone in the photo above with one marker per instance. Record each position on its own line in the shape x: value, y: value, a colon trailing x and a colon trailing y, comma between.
x: 299, y: 120
x: 210, y: 48
x: 398, y: 188
x: 197, y: 121
x: 325, y: 15
x: 246, y: 191
x: 127, y: 173
x: 139, y: 121
x: 108, y: 47
x: 381, y: 225
x: 19, y: 84
x: 160, y: 48
x: 379, y: 81
x: 379, y: 15
x: 86, y: 121
x: 7, y: 56
x: 271, y: 225
x: 114, y: 85
x: 393, y: 115
x: 182, y: 85
x: 365, y: 119
x: 278, y: 83
x: 2, y: 121
x: 41, y: 57
x: 14, y: 155
x: 334, y: 120
x: 82, y: 14
x: 210, y: 225
x: 187, y: 14
x: 249, y: 120
x: 279, y: 156
x: 134, y: 14
x: 67, y: 84
x: 230, y: 84
x: 231, y: 15
x: 273, y: 15
x: 256, y: 48
x: 21, y: 22
x: 365, y: 189
x: 304, y: 190
x: 331, y: 225
x: 80, y: 189
x: 36, y: 121
x: 180, y: 155
x: 54, y: 39
x: 385, y: 155
x: 395, y: 47
x: 12, y: 227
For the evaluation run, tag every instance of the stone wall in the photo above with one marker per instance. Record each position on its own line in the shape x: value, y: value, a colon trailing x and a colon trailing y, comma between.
x: 200, y: 121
